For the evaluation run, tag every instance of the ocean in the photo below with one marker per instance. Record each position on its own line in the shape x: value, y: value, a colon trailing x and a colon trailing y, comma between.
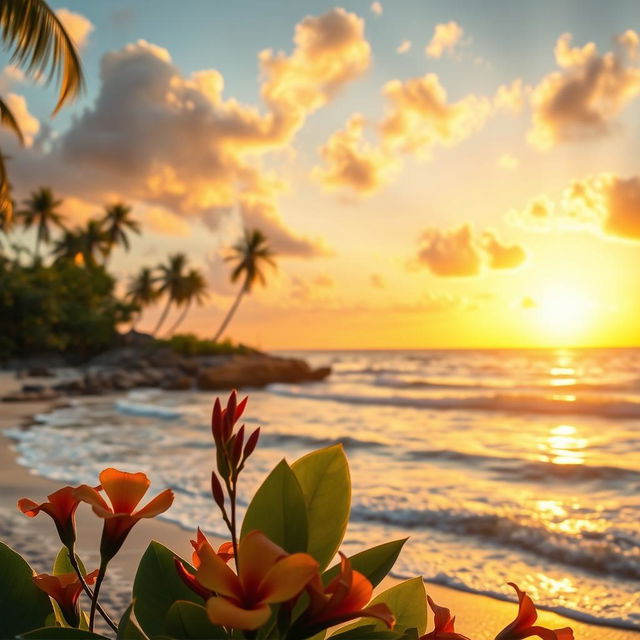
x: 500, y: 466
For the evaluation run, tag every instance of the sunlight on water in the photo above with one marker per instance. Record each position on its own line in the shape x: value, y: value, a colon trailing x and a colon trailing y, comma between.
x: 563, y: 447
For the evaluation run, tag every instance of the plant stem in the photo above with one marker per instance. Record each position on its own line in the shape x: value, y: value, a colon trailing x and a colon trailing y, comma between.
x: 94, y: 602
x: 87, y: 590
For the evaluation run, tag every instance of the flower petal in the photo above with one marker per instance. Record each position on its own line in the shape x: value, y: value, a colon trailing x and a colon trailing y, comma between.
x: 28, y: 507
x: 257, y: 555
x: 527, y: 613
x: 88, y: 494
x: 156, y: 506
x: 442, y: 621
x: 287, y: 578
x: 213, y: 573
x: 228, y: 614
x: 358, y: 596
x: 546, y: 634
x: 125, y: 490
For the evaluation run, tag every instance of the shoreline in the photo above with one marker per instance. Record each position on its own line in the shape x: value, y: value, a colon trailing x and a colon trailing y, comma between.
x: 479, y: 616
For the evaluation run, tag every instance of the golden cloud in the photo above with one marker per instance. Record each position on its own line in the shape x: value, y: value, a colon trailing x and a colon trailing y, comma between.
x: 584, y: 97
x: 28, y: 123
x: 351, y: 163
x: 419, y: 116
x: 458, y: 253
x: 445, y: 38
x: 76, y: 25
x: 403, y: 47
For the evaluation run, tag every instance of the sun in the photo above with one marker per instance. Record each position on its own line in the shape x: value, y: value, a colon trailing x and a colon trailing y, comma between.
x: 564, y: 312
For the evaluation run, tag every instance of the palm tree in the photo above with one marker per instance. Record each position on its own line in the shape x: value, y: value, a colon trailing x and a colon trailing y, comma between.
x: 69, y: 246
x: 41, y: 211
x: 250, y: 253
x: 116, y: 222
x: 142, y: 290
x: 171, y: 277
x: 39, y: 45
x: 94, y: 242
x: 193, y: 287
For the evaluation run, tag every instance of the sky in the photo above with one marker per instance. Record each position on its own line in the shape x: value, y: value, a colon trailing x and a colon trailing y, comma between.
x: 430, y: 174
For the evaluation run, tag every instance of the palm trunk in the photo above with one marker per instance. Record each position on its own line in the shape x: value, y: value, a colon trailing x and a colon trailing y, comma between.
x: 178, y: 322
x: 162, y: 318
x: 230, y: 313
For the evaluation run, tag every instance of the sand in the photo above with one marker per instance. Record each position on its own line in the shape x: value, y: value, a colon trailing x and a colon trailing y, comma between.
x: 478, y: 617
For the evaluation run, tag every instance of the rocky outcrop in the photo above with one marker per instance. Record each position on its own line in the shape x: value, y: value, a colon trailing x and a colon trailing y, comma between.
x: 257, y: 371
x: 129, y: 367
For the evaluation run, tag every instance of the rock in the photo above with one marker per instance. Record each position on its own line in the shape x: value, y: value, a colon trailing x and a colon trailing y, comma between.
x: 258, y: 371
x: 39, y: 372
x: 31, y: 396
x: 181, y: 383
x: 33, y: 388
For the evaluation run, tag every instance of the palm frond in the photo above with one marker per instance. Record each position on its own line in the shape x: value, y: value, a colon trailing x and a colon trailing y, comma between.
x: 6, y: 203
x: 40, y: 45
x: 9, y: 120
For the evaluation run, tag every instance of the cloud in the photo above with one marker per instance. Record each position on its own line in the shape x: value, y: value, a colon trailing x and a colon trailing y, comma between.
x: 528, y: 303
x: 508, y: 162
x: 77, y: 26
x: 351, y: 163
x: 537, y: 214
x: 419, y: 116
x: 584, y: 97
x: 501, y: 255
x: 450, y: 253
x: 377, y: 281
x: 511, y: 97
x: 162, y: 221
x: 445, y: 37
x: 403, y: 47
x: 458, y: 253
x: 376, y: 8
x: 164, y: 139
x: 324, y: 280
x: 28, y: 123
x: 605, y: 204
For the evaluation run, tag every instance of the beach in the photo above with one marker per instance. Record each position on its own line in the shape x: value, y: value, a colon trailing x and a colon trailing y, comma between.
x: 478, y: 616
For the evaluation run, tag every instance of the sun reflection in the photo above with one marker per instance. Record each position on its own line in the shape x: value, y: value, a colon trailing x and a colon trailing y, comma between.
x: 563, y: 446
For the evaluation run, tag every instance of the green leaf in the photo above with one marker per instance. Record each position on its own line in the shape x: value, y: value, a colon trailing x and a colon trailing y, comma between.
x: 324, y: 478
x: 408, y: 602
x: 278, y: 509
x: 157, y: 586
x: 127, y: 627
x: 24, y: 606
x: 60, y: 633
x: 190, y: 621
x: 62, y: 563
x: 374, y: 563
x: 367, y: 632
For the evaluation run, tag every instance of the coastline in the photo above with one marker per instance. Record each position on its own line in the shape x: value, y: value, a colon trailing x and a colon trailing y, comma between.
x: 478, y: 616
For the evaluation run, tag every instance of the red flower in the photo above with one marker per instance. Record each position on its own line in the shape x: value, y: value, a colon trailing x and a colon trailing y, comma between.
x: 124, y: 490
x: 65, y: 590
x: 344, y: 598
x: 268, y: 575
x: 61, y: 507
x: 225, y: 552
x: 523, y: 625
x: 442, y: 624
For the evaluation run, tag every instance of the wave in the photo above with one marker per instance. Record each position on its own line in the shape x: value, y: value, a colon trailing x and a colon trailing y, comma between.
x: 510, y: 403
x: 271, y: 439
x: 146, y: 410
x: 529, y: 470
x: 598, y: 552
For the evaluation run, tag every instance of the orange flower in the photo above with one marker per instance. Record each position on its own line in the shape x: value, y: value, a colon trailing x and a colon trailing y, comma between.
x: 523, y: 625
x: 344, y: 598
x: 225, y: 551
x: 267, y: 575
x: 65, y: 590
x: 124, y: 490
x: 61, y: 507
x: 442, y: 624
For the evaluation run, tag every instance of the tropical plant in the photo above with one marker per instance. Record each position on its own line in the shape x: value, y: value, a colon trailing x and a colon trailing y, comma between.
x: 274, y: 579
x: 94, y: 242
x: 39, y: 45
x: 116, y: 222
x: 142, y: 291
x: 249, y: 254
x: 170, y: 279
x: 193, y: 288
x: 69, y: 246
x: 41, y: 211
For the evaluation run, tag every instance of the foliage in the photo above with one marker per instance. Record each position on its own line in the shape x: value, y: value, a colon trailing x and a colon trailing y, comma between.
x: 265, y: 583
x: 188, y: 344
x: 63, y: 307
